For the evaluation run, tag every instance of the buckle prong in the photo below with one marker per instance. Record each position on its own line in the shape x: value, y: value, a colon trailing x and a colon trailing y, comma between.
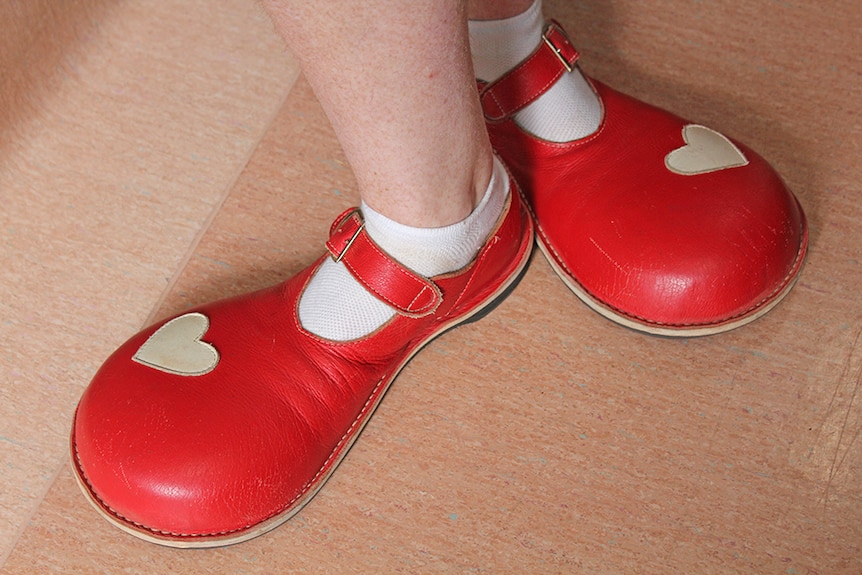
x: 349, y: 243
x: 557, y: 52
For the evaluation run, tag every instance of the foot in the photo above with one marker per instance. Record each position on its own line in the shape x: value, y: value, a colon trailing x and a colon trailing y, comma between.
x: 215, y: 426
x: 657, y: 223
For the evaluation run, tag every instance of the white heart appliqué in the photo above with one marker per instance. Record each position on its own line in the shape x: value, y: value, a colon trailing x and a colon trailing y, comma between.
x: 176, y: 347
x: 704, y: 151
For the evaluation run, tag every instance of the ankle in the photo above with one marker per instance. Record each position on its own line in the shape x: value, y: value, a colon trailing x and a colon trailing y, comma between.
x: 567, y: 110
x: 430, y: 251
x: 497, y: 46
x: 337, y: 307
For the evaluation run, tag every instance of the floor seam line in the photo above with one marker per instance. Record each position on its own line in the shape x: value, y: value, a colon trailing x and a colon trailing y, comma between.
x: 217, y: 208
x: 190, y: 251
x: 6, y: 553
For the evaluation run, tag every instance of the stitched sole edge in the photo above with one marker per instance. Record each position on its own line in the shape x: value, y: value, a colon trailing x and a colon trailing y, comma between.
x: 679, y: 331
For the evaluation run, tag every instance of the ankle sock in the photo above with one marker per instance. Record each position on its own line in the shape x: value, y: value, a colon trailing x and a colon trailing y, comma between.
x: 569, y: 110
x: 335, y: 306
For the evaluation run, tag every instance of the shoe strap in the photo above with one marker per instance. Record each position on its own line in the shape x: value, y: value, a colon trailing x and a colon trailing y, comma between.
x: 521, y: 85
x: 394, y: 284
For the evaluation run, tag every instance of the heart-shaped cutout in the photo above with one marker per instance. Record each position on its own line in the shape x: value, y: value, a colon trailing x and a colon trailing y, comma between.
x: 176, y: 347
x: 704, y: 151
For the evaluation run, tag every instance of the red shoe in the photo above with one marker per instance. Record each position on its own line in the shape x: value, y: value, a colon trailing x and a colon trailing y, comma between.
x: 661, y: 225
x: 220, y: 424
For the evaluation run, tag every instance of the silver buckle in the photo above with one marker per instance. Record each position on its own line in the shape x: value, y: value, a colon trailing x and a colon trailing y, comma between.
x: 349, y: 243
x: 556, y: 50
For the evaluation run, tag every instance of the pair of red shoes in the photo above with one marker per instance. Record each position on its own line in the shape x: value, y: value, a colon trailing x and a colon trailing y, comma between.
x: 220, y: 424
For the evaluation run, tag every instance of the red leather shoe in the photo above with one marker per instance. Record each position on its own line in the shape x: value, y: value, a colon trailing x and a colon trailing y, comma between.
x: 220, y: 424
x: 659, y: 224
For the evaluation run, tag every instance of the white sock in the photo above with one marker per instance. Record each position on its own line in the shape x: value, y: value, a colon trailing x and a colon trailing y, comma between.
x: 569, y: 110
x: 337, y: 307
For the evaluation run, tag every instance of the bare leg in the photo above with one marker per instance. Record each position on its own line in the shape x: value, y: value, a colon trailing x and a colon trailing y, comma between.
x: 395, y: 80
x: 397, y: 83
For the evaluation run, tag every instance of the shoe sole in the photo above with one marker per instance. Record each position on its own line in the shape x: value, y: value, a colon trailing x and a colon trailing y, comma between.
x: 680, y: 331
x: 351, y: 435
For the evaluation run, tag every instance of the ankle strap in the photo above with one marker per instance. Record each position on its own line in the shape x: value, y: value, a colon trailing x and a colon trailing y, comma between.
x: 521, y: 85
x: 409, y: 293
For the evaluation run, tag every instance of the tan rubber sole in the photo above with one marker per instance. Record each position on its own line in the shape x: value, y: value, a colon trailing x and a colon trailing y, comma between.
x: 680, y: 331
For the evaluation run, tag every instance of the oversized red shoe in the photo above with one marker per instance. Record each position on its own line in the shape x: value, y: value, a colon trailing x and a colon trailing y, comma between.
x: 220, y: 424
x: 659, y: 224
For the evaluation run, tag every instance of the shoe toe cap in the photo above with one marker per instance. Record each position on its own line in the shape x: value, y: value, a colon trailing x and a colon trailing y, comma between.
x: 199, y: 456
x: 173, y: 461
x: 695, y: 252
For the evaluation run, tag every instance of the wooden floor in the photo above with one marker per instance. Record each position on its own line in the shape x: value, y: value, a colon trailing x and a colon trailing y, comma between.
x: 178, y: 157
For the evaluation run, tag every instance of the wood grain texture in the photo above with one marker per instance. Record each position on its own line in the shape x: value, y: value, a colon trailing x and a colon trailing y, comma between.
x: 543, y: 439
